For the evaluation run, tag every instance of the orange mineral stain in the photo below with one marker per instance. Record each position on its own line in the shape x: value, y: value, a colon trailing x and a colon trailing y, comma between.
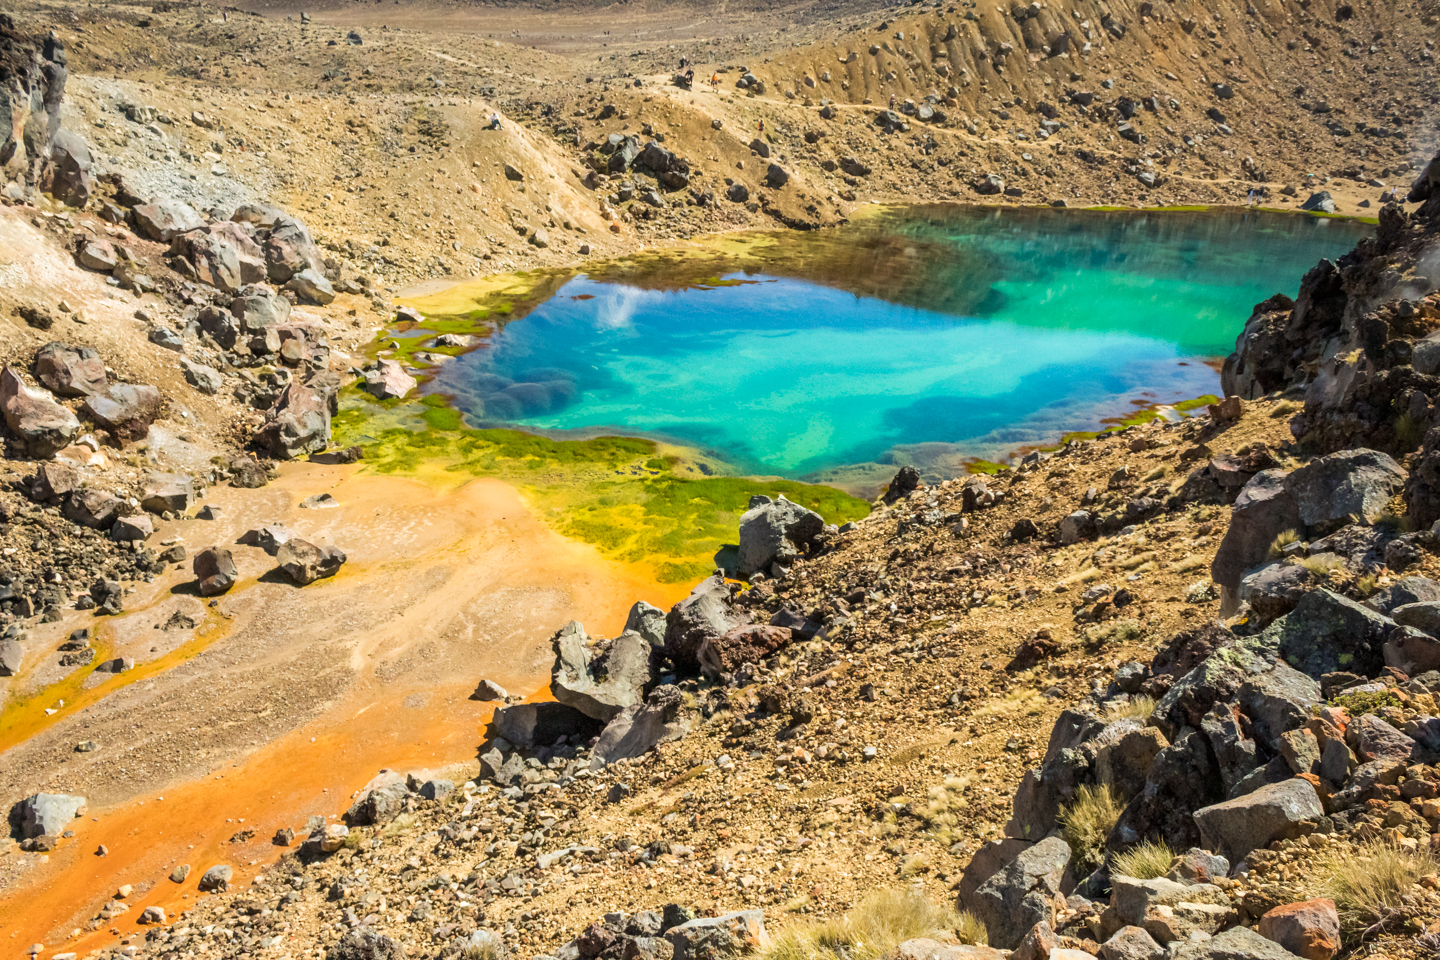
x: 510, y: 582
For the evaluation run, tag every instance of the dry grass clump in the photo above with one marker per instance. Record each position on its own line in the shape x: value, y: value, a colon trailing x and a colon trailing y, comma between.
x: 1323, y: 564
x: 880, y: 923
x: 1144, y: 861
x: 1136, y: 707
x: 1367, y: 884
x: 942, y: 809
x: 1088, y: 820
x: 1281, y: 541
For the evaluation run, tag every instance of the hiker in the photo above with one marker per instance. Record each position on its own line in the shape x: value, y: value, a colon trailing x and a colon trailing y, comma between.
x: 494, y: 121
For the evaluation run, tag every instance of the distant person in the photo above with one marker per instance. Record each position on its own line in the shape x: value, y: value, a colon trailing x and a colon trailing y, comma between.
x: 715, y: 82
x: 494, y: 121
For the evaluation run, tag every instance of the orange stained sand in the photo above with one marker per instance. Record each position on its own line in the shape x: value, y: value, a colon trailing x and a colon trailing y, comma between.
x: 484, y: 532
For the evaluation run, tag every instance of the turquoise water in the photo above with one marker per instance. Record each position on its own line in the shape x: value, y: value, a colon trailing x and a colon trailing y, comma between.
x: 928, y: 336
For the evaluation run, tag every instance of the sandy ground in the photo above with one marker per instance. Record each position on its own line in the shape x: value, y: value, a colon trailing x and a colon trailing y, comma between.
x: 293, y: 697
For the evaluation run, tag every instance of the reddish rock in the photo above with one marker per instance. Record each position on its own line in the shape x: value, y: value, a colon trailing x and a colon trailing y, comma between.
x: 1310, y: 929
x: 70, y: 371
x: 746, y: 644
x: 1037, y: 943
x: 34, y: 416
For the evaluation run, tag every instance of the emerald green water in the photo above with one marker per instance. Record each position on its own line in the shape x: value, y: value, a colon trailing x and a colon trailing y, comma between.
x: 927, y: 335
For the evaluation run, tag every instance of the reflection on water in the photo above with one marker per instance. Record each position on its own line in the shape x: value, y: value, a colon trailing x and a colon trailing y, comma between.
x: 931, y: 334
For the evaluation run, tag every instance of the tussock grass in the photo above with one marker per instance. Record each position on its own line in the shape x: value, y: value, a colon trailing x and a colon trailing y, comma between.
x: 1084, y: 575
x: 1144, y: 861
x: 1322, y: 564
x: 1367, y: 884
x: 942, y: 809
x: 1138, y: 707
x: 1088, y: 820
x: 1118, y: 631
x: 402, y: 824
x: 1139, y: 560
x: 1186, y: 564
x: 1281, y: 541
x: 880, y: 923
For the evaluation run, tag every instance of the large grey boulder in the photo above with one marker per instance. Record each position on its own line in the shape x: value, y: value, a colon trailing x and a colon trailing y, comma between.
x: 1264, y: 509
x: 206, y: 380
x: 1412, y: 651
x: 304, y: 562
x: 606, y: 685
x: 711, y: 938
x: 70, y: 371
x: 541, y: 724
x: 1274, y: 590
x: 164, y: 219
x: 775, y: 532
x: 168, y: 492
x: 1131, y: 943
x: 93, y: 508
x: 299, y: 423
x: 1274, y: 812
x: 1421, y: 615
x: 125, y: 409
x: 1022, y: 893
x: 648, y: 621
x: 223, y: 255
x: 1168, y: 910
x: 217, y: 878
x: 704, y: 615
x: 1374, y: 739
x: 1183, y: 778
x: 379, y: 800
x: 289, y: 250
x: 1327, y: 632
x: 1045, y: 789
x: 389, y: 381
x: 1329, y: 490
x: 45, y: 814
x: 1248, y: 671
x: 68, y: 169
x: 1403, y: 591
x: 638, y: 728
x: 258, y: 307
x: 311, y: 286
x: 43, y: 423
x: 55, y: 479
x: 1237, y: 943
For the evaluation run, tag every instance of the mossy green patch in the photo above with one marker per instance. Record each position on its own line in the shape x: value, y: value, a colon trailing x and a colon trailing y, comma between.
x: 615, y: 493
x: 1185, y: 406
x: 1366, y: 702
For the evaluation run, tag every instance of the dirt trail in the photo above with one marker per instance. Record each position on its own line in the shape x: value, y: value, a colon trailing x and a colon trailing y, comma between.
x: 442, y: 584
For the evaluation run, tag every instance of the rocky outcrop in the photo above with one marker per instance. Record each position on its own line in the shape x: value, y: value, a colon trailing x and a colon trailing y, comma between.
x: 1026, y: 890
x: 34, y: 148
x: 604, y: 685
